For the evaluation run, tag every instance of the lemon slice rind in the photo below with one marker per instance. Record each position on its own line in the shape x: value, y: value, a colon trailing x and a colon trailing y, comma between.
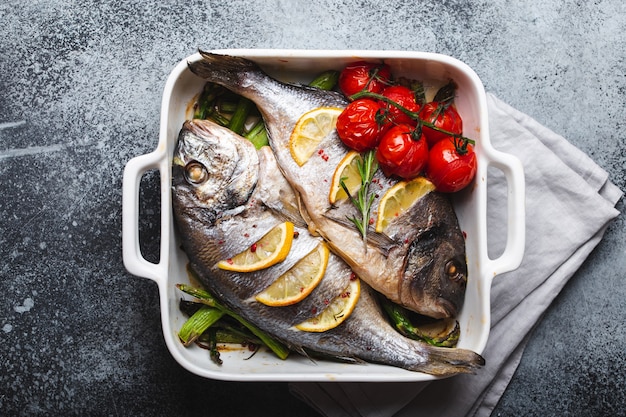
x: 399, y: 198
x: 271, y: 249
x: 299, y: 281
x: 348, y: 171
x: 310, y: 130
x: 336, y: 312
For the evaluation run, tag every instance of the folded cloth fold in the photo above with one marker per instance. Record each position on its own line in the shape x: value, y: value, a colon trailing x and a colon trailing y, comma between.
x: 569, y: 203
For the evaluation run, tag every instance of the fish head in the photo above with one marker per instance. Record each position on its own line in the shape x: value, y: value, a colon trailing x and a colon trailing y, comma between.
x: 435, y: 274
x: 213, y: 169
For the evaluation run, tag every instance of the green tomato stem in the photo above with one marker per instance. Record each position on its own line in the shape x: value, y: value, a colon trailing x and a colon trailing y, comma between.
x: 411, y: 114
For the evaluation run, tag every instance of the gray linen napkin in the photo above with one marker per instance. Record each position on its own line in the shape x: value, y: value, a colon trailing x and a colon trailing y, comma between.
x: 569, y: 203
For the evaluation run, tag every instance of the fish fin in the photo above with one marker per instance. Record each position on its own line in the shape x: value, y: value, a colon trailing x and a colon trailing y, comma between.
x: 233, y: 72
x: 326, y: 356
x: 444, y: 361
x: 381, y: 240
x: 206, y: 67
x: 377, y: 239
x: 289, y: 216
x: 305, y: 216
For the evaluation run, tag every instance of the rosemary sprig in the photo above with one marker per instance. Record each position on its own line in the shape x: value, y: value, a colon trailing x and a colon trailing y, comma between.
x: 363, y: 201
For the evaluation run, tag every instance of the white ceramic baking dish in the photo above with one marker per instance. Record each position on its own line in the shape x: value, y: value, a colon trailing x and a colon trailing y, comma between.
x: 301, y: 66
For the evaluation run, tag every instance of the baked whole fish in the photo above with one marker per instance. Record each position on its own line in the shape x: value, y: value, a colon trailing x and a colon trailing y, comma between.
x: 226, y: 195
x: 419, y: 264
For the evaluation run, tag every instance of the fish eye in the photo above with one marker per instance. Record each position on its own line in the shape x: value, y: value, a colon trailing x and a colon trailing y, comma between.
x: 196, y: 173
x: 453, y: 271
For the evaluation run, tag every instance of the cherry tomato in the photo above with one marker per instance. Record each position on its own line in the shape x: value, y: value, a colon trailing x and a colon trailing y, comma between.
x: 405, y: 98
x: 442, y: 115
x: 359, y: 75
x: 401, y: 153
x: 361, y: 124
x: 451, y: 164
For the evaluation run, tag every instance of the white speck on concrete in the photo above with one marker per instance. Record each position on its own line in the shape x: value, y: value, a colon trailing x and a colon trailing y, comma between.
x: 28, y: 304
x: 7, y: 328
x: 31, y: 150
x: 10, y: 125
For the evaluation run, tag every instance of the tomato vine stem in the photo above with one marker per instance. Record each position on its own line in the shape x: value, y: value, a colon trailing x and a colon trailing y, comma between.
x: 411, y: 114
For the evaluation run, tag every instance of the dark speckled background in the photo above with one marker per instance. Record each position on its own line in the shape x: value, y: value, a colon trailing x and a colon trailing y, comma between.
x: 80, y: 91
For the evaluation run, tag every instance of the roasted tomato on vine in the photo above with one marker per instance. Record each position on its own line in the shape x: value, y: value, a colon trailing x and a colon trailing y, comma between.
x: 451, y: 164
x: 444, y: 116
x: 361, y: 124
x: 402, y: 152
x: 403, y: 96
x: 364, y: 75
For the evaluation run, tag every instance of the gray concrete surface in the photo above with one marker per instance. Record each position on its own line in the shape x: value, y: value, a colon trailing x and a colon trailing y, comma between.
x: 80, y: 90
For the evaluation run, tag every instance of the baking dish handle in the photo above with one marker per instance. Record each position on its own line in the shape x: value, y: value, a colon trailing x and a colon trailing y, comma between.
x: 513, y: 253
x: 134, y: 261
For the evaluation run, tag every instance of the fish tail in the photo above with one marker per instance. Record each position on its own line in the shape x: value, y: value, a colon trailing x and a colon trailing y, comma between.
x: 229, y: 71
x: 447, y: 362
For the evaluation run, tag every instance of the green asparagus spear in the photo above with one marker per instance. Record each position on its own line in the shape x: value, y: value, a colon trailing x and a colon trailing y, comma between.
x: 206, y: 102
x: 213, y: 351
x: 208, y: 108
x: 327, y: 80
x: 198, y: 323
x: 227, y: 107
x: 444, y: 333
x: 239, y: 117
x: 231, y: 335
x: 218, y: 118
x: 258, y: 134
x: 226, y: 330
x: 205, y: 297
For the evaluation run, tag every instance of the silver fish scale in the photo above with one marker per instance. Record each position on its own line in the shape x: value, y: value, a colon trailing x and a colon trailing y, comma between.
x: 241, y: 224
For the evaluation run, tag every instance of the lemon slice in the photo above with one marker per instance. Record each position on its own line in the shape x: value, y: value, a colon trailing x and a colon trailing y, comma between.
x: 348, y: 170
x: 295, y: 284
x: 337, y: 311
x: 267, y: 251
x: 400, y: 198
x: 310, y: 130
